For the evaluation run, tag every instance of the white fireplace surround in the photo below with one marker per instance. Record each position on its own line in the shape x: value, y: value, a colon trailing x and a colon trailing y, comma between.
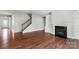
x: 69, y: 18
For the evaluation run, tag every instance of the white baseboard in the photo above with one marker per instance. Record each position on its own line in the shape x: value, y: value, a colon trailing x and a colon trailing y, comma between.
x: 32, y: 30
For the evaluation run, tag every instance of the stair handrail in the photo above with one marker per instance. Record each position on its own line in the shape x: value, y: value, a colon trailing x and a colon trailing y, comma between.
x: 30, y: 19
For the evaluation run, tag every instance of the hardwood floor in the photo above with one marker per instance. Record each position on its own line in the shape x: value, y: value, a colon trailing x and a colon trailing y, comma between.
x: 5, y: 38
x: 42, y: 40
x: 39, y: 40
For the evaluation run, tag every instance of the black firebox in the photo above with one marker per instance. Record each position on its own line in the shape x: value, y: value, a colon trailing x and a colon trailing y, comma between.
x: 61, y: 31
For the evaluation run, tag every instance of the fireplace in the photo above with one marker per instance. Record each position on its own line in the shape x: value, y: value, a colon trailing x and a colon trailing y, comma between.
x: 61, y: 31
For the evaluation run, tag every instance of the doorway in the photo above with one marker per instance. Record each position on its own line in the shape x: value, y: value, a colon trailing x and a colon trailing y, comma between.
x: 5, y: 31
x: 44, y: 22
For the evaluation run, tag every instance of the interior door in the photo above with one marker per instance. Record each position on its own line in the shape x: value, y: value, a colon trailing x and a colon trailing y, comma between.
x: 5, y: 31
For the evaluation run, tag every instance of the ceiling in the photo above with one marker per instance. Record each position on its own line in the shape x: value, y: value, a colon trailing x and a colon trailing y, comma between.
x: 38, y: 12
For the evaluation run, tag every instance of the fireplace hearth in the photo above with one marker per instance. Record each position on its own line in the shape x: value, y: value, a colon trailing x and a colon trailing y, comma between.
x: 61, y: 31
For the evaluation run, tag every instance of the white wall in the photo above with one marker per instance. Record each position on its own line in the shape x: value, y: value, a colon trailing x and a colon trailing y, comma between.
x: 37, y: 24
x: 76, y: 24
x: 67, y: 18
x: 64, y: 18
x: 49, y: 26
x: 19, y: 19
x: 61, y: 18
x: 3, y: 16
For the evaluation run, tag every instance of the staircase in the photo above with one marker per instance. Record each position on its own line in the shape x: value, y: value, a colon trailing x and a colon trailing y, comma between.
x: 27, y: 23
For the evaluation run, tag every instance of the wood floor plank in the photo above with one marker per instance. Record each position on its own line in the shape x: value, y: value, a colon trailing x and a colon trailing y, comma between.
x: 40, y: 40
